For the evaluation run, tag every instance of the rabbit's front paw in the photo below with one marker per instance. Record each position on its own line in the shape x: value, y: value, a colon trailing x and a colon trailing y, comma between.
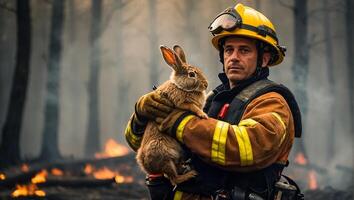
x: 202, y: 115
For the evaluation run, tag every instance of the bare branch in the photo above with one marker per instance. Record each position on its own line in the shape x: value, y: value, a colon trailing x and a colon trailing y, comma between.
x: 48, y: 2
x: 126, y: 3
x: 322, y: 40
x: 179, y: 8
x: 129, y: 19
x: 290, y: 7
x: 5, y: 6
x: 316, y: 11
x: 110, y: 14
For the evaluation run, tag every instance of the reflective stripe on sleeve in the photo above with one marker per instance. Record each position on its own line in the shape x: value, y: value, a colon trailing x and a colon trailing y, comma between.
x: 134, y: 140
x: 244, y: 145
x: 180, y: 128
x: 247, y: 122
x: 178, y: 195
x: 277, y: 116
x: 219, y: 142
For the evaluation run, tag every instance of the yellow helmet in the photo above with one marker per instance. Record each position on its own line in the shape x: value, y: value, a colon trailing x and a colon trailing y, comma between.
x: 247, y: 22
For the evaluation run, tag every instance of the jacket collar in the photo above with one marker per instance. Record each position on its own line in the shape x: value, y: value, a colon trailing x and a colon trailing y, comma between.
x: 225, y: 86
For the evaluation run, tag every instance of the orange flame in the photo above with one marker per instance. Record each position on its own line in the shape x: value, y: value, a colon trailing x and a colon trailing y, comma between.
x: 57, y: 172
x: 2, y: 176
x: 104, y: 173
x: 40, y: 177
x: 300, y: 159
x: 27, y: 190
x: 312, y: 183
x: 31, y: 189
x: 123, y: 179
x: 24, y: 168
x: 88, y: 169
x: 112, y: 149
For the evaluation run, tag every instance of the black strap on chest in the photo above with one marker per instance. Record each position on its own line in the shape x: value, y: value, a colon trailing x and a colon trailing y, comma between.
x: 258, y: 88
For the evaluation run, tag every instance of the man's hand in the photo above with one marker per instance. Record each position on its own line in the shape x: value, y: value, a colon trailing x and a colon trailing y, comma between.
x: 169, y: 121
x: 153, y: 106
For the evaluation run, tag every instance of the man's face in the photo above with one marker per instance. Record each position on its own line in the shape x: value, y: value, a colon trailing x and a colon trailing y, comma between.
x: 240, y: 59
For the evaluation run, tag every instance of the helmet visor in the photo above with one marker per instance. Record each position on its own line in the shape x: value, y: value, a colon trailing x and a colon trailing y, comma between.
x: 228, y: 20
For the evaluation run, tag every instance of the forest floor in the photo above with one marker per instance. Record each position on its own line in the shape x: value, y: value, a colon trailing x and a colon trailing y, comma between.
x: 76, y: 185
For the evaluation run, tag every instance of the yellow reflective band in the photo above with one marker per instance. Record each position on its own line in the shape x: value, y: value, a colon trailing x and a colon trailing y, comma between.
x: 178, y: 195
x: 247, y: 122
x: 128, y: 129
x: 244, y: 145
x: 219, y: 142
x: 276, y: 115
x: 180, y: 128
x: 131, y: 137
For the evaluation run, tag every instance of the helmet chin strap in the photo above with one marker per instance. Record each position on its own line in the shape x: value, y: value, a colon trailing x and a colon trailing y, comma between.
x: 221, y: 56
x: 260, y: 52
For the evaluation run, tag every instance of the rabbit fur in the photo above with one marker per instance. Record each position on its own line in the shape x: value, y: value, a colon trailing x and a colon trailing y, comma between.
x: 160, y: 153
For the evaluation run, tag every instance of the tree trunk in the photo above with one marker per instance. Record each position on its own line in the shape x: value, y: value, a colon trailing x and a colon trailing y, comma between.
x: 74, y: 63
x: 330, y: 75
x: 154, y: 70
x: 92, y: 138
x: 300, y: 66
x: 350, y: 61
x: 9, y: 148
x: 193, y: 41
x: 257, y: 4
x: 50, y: 147
x: 123, y: 84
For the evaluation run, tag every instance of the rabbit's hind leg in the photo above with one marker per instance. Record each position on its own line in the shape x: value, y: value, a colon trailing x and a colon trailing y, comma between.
x: 171, y: 171
x: 184, y: 177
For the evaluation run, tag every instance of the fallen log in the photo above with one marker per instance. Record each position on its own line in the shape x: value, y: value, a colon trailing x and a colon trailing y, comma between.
x: 15, y: 176
x: 18, y: 178
x: 75, y: 182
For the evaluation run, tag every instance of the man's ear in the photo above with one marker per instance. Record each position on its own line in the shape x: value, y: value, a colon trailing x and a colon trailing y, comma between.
x: 266, y: 58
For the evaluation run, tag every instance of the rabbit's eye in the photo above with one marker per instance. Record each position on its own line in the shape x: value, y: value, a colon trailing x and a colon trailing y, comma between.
x: 191, y: 74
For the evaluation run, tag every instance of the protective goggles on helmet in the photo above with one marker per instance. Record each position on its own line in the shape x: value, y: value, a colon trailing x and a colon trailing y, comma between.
x: 229, y: 20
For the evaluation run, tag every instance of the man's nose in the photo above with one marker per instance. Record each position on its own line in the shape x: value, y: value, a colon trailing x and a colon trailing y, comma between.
x: 235, y: 56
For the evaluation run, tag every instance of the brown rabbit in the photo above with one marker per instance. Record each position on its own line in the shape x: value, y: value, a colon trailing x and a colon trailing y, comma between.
x: 159, y: 153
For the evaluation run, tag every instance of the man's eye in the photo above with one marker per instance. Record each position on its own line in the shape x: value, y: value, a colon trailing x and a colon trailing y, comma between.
x: 243, y: 51
x: 228, y: 51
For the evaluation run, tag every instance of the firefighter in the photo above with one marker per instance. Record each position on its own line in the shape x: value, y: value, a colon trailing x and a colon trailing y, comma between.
x: 240, y: 151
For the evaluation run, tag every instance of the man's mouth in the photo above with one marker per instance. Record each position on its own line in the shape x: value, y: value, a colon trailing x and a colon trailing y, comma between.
x: 235, y: 69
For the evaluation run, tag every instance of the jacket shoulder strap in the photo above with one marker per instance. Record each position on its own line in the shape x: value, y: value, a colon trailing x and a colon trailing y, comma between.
x: 258, y: 88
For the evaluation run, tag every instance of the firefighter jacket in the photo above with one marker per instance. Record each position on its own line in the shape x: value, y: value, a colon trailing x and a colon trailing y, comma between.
x: 227, y: 153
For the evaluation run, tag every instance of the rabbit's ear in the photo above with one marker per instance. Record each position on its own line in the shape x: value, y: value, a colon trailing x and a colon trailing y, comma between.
x: 180, y: 53
x: 171, y: 58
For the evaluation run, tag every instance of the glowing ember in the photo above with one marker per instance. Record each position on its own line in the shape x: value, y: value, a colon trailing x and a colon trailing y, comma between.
x: 88, y: 169
x: 31, y: 189
x: 2, y: 176
x: 40, y: 177
x: 112, y: 149
x: 25, y: 168
x: 57, y: 172
x: 27, y: 190
x: 123, y: 179
x: 104, y: 173
x: 300, y: 159
x: 312, y: 184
